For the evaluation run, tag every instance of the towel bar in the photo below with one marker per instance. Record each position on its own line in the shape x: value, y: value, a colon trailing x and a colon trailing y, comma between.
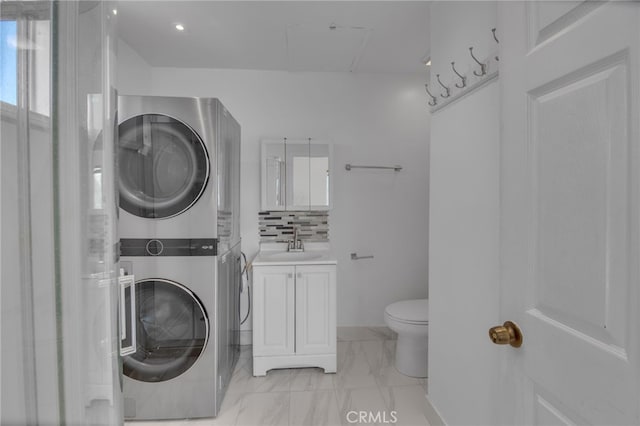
x: 395, y: 168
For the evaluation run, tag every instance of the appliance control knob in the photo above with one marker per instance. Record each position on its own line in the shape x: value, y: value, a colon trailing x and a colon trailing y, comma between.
x: 154, y: 247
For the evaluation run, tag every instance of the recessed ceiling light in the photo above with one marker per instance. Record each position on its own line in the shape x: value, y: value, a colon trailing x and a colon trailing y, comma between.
x: 115, y: 11
x: 179, y: 27
x: 428, y: 63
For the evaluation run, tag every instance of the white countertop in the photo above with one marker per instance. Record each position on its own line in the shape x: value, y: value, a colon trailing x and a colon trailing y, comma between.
x: 277, y: 254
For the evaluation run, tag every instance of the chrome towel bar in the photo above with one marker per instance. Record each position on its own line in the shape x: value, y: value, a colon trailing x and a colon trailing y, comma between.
x: 354, y: 256
x: 395, y: 168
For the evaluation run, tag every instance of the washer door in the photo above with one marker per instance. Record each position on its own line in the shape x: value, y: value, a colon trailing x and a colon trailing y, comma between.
x: 172, y: 331
x: 163, y: 166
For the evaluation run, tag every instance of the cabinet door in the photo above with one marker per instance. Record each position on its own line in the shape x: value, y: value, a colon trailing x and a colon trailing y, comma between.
x: 297, y: 175
x: 320, y: 175
x: 273, y: 175
x: 273, y: 310
x: 315, y: 309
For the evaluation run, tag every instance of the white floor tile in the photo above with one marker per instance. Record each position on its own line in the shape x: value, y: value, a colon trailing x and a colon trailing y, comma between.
x: 374, y: 352
x: 353, y: 369
x: 274, y: 381
x: 407, y: 402
x: 309, y: 379
x: 314, y: 409
x: 264, y: 409
x: 367, y: 402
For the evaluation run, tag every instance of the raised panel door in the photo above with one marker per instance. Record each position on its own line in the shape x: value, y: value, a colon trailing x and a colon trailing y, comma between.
x: 569, y: 211
x: 315, y: 309
x: 273, y: 310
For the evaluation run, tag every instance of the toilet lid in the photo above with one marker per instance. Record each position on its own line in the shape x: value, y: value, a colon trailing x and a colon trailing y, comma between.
x: 413, y: 311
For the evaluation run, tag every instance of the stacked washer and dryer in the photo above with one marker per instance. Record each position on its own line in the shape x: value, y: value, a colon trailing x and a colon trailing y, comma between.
x: 179, y: 172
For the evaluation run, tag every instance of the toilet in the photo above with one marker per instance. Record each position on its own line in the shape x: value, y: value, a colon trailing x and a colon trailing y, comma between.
x: 410, y: 319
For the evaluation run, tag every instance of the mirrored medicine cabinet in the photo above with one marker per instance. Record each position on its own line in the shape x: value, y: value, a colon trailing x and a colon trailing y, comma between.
x: 296, y: 174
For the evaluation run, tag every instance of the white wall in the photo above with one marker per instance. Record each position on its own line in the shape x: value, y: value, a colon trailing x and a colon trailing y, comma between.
x: 133, y: 73
x: 464, y: 223
x: 377, y: 119
x: 372, y: 119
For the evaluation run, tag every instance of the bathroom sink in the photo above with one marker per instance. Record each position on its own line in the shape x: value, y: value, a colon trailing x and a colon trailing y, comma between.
x: 290, y: 256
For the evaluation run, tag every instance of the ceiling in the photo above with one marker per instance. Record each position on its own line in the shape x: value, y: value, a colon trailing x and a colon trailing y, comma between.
x: 358, y: 36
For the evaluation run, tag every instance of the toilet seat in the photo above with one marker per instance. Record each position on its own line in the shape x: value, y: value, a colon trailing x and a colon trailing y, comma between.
x: 409, y: 311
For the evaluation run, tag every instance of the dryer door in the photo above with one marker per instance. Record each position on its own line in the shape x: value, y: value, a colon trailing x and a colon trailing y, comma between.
x: 163, y: 166
x: 172, y: 331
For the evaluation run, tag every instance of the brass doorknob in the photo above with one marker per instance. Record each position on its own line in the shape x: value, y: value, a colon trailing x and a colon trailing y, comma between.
x: 507, y: 333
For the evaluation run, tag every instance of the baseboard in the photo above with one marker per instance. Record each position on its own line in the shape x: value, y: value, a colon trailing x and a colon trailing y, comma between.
x: 246, y: 337
x: 431, y: 413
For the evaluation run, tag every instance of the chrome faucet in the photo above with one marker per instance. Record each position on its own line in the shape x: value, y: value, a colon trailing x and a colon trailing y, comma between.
x: 296, y: 243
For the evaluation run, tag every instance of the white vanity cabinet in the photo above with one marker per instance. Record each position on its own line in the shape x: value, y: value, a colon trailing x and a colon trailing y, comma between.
x: 294, y: 317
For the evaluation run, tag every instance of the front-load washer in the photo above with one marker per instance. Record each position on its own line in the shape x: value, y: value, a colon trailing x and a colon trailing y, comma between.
x: 167, y: 165
x: 175, y: 372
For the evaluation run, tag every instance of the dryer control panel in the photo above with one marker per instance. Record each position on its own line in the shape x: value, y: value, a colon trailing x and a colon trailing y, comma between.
x: 168, y: 247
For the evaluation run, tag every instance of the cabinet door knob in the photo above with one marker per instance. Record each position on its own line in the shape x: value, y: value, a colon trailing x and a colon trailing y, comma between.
x: 299, y: 275
x: 289, y: 275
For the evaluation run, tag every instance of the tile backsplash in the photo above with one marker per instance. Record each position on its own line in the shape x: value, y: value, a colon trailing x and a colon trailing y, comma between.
x: 277, y: 226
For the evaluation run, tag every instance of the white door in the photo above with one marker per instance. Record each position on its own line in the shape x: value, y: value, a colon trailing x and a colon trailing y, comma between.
x: 274, y: 310
x: 315, y: 309
x: 570, y: 211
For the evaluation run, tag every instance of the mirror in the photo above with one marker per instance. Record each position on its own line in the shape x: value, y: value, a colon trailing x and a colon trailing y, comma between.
x: 319, y: 182
x: 296, y: 175
x: 273, y: 175
x: 297, y: 182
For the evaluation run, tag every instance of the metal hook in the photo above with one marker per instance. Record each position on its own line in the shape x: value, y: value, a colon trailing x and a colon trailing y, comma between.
x: 434, y: 100
x: 447, y: 90
x: 493, y: 31
x: 483, y: 67
x: 462, y: 77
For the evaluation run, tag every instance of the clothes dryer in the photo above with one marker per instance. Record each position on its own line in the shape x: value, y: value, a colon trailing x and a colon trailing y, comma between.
x: 174, y: 157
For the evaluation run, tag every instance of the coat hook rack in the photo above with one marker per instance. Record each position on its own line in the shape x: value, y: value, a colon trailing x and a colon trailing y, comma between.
x: 462, y: 84
x: 493, y: 31
x: 463, y: 79
x: 434, y: 100
x: 447, y: 90
x: 483, y: 67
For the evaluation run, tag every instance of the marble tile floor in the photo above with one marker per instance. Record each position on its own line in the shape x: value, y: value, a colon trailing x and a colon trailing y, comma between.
x: 366, y: 382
